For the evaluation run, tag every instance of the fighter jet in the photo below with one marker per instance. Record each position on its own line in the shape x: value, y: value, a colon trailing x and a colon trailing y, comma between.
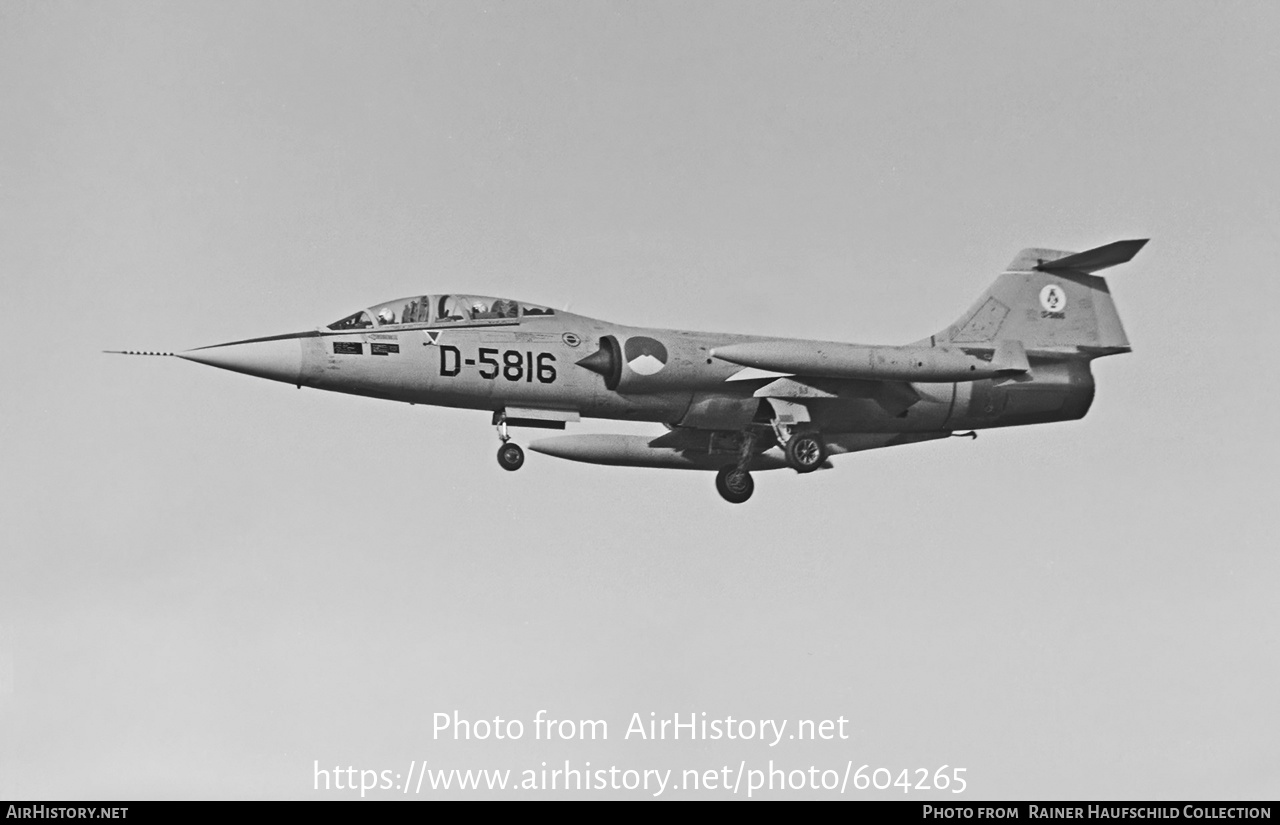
x: 731, y: 404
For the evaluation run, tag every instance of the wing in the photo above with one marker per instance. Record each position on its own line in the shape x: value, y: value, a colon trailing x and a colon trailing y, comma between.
x: 894, y: 396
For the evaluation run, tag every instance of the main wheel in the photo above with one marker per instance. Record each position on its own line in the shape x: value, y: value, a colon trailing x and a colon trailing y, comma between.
x: 510, y: 456
x: 734, y: 486
x: 806, y: 452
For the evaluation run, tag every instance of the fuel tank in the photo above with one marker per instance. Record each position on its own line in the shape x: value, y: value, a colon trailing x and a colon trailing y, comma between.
x: 854, y: 361
x: 635, y: 451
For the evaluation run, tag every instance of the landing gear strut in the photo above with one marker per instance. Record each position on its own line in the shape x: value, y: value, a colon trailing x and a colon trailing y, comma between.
x: 734, y: 482
x: 510, y: 456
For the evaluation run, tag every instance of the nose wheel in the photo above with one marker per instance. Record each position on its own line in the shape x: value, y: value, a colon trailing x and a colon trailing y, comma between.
x: 510, y: 456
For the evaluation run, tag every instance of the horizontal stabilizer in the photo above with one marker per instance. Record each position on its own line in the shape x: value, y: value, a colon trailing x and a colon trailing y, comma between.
x: 1093, y: 260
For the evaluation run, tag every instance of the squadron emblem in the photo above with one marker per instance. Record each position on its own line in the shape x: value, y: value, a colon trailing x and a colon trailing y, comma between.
x: 1053, y: 299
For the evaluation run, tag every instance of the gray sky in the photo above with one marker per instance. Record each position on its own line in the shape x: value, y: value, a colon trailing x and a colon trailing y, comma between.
x: 211, y: 581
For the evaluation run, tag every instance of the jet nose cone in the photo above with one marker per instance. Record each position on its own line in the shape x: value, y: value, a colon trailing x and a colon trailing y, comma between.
x: 600, y: 362
x: 279, y: 359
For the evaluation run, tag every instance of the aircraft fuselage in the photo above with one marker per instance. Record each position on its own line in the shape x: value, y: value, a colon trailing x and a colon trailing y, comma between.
x: 732, y: 403
x: 532, y: 363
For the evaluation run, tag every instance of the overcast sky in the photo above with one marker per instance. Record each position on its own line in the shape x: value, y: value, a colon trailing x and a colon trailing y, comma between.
x: 211, y: 582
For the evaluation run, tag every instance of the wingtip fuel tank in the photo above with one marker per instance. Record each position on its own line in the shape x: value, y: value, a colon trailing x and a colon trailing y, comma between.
x: 862, y: 363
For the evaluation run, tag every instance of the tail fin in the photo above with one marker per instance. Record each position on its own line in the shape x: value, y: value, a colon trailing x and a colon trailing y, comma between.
x: 1049, y: 300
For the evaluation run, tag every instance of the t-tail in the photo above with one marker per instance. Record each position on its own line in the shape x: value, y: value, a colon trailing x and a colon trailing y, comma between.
x: 1049, y: 301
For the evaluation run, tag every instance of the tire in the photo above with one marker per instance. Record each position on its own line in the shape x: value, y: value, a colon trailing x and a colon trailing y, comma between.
x: 734, y: 486
x: 806, y: 452
x: 510, y: 457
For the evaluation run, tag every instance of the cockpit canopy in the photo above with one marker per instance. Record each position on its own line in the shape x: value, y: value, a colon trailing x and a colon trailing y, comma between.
x: 442, y: 309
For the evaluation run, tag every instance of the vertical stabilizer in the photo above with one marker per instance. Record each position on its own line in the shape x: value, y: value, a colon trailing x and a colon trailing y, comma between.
x: 1049, y: 299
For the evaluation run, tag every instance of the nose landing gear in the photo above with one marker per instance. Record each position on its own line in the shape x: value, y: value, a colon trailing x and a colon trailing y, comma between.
x: 510, y: 456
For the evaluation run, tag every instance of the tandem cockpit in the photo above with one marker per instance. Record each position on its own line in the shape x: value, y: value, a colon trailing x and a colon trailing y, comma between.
x: 450, y: 310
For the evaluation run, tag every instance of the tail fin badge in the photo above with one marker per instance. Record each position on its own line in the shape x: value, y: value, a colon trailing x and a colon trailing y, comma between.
x: 1054, y: 301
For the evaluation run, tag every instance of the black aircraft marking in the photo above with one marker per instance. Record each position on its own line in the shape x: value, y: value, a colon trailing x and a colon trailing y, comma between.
x: 516, y: 365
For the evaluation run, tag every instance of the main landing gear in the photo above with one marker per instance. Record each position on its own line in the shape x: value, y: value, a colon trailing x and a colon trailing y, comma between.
x: 806, y: 451
x: 510, y: 456
x: 734, y: 486
x: 734, y: 482
x: 803, y: 445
